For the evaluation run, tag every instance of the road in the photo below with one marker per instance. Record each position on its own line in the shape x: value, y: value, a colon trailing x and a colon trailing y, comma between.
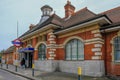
x: 4, y: 75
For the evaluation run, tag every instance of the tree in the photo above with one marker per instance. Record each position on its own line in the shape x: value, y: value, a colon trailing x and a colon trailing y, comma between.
x: 1, y: 52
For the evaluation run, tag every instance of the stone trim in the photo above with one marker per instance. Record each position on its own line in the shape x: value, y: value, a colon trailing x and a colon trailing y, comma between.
x: 43, y: 42
x: 118, y: 33
x: 96, y: 57
x: 96, y: 49
x: 52, y: 44
x: 98, y: 45
x: 112, y: 53
x: 45, y: 29
x: 98, y: 53
x: 97, y: 35
x: 73, y: 37
x: 80, y: 31
x: 94, y: 40
x: 95, y: 31
x: 86, y: 42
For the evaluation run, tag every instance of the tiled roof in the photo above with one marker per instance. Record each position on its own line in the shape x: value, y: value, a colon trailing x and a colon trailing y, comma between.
x: 84, y: 21
x: 79, y: 16
x: 113, y: 14
x: 10, y: 49
x: 54, y: 19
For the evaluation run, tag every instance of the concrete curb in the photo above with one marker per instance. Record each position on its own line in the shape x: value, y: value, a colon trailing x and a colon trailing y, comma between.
x: 19, y: 74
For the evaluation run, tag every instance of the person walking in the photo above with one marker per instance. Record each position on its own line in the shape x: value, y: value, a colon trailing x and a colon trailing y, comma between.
x: 23, y: 63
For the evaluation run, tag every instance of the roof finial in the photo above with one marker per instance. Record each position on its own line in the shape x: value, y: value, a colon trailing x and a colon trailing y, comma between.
x: 68, y: 2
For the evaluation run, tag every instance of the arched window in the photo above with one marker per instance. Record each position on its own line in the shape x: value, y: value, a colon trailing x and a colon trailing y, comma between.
x: 74, y: 50
x: 42, y: 52
x: 117, y: 49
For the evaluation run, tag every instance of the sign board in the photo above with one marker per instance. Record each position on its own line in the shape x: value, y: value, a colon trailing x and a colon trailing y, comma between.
x: 17, y: 42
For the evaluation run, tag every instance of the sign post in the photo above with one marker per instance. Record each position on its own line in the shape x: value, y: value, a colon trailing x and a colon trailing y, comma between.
x: 17, y: 43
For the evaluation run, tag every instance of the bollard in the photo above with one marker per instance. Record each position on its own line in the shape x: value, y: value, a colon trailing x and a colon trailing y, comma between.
x: 79, y: 73
x: 16, y: 68
x: 1, y: 65
x: 33, y: 66
x: 7, y: 66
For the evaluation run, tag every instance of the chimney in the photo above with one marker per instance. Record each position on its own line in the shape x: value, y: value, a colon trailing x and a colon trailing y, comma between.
x: 31, y: 26
x: 69, y: 9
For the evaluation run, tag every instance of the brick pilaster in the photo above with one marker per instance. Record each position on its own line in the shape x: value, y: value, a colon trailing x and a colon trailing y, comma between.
x: 51, y: 46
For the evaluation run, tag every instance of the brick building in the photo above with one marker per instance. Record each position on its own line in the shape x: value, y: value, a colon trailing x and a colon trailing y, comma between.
x: 8, y: 55
x: 80, y: 39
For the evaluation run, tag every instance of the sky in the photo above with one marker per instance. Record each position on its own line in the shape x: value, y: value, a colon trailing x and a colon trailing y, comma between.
x: 27, y: 12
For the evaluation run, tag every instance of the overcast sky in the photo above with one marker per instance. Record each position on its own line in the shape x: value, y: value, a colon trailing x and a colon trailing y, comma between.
x: 28, y: 12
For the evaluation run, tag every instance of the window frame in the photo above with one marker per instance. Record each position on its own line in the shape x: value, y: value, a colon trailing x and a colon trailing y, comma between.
x: 77, y: 50
x: 114, y: 48
x: 42, y: 52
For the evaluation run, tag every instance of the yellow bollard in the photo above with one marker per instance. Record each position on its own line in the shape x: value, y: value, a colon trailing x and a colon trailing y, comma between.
x: 33, y: 66
x: 79, y: 73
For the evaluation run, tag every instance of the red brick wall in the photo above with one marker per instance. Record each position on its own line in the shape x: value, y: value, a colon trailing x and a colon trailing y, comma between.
x: 87, y: 48
x: 111, y: 67
x: 84, y: 36
x: 60, y: 54
x: 9, y: 58
x: 88, y: 52
x: 34, y: 42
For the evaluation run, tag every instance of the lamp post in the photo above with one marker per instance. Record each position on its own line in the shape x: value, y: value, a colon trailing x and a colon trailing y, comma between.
x: 17, y: 43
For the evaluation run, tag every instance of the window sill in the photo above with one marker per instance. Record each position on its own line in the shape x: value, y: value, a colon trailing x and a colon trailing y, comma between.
x: 73, y: 60
x: 117, y: 61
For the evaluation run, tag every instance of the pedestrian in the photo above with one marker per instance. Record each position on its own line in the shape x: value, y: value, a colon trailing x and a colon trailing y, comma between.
x: 23, y: 63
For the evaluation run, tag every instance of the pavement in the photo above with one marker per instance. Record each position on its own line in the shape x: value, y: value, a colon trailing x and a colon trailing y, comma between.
x: 41, y: 75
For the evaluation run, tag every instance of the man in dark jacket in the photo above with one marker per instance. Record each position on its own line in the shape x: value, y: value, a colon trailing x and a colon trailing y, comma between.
x: 23, y: 63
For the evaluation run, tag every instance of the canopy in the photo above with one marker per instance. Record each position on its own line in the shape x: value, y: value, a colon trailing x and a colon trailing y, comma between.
x: 23, y: 50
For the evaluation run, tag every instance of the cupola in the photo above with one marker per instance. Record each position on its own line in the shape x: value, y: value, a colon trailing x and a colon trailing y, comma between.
x: 46, y: 12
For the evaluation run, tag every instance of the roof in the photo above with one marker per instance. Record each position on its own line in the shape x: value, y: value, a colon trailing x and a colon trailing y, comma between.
x: 111, y: 26
x: 54, y: 19
x: 46, y: 6
x: 79, y: 16
x: 10, y: 49
x: 84, y: 21
x: 113, y: 14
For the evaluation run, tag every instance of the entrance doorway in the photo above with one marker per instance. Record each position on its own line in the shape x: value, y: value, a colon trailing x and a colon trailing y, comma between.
x: 28, y: 59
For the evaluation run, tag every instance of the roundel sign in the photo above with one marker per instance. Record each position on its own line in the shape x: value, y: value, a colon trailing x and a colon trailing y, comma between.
x: 17, y: 42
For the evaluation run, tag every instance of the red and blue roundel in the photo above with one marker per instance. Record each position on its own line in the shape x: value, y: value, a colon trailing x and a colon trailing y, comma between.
x: 17, y: 42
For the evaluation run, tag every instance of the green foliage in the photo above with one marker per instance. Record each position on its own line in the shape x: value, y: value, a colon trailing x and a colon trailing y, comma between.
x: 1, y: 52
